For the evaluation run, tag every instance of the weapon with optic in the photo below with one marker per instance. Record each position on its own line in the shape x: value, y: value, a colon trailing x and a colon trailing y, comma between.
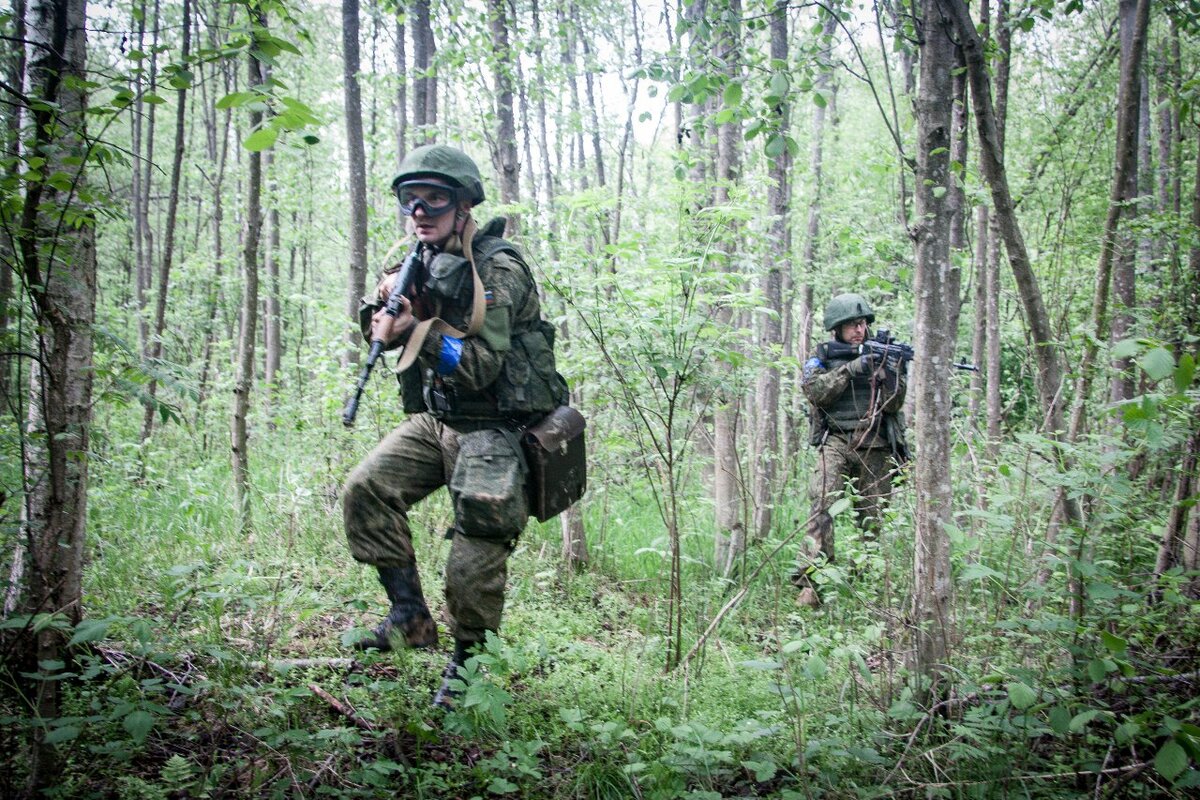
x: 883, y: 346
x: 404, y: 280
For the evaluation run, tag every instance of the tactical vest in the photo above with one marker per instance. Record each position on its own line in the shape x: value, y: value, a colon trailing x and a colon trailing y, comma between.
x: 528, y: 384
x: 850, y: 410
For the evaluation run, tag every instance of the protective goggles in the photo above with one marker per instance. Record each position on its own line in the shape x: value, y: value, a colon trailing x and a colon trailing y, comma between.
x: 434, y: 199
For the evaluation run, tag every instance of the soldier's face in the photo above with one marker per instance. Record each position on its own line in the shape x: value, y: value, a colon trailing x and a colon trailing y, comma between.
x: 430, y: 229
x: 853, y: 332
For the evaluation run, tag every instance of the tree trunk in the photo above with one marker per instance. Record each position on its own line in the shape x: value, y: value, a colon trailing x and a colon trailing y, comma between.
x: 217, y: 142
x: 59, y: 269
x: 1122, y: 192
x: 770, y: 342
x: 504, y: 154
x: 272, y: 324
x: 401, y: 111
x: 425, y: 83
x: 13, y: 116
x: 356, y: 277
x: 1050, y: 371
x: 168, y: 252
x: 244, y: 379
x: 1172, y: 551
x: 1125, y: 261
x: 934, y: 339
x: 730, y: 540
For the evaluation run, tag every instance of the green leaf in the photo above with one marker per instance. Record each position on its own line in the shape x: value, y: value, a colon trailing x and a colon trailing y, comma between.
x: 1115, y: 644
x: 1171, y: 760
x: 1080, y: 721
x: 64, y: 734
x: 1158, y: 363
x: 1096, y: 670
x: 261, y: 139
x: 235, y: 99
x: 90, y: 630
x: 1060, y: 720
x: 974, y: 572
x: 1021, y: 696
x: 1126, y: 348
x: 819, y: 100
x: 779, y: 85
x: 839, y: 506
x: 1185, y: 372
x: 732, y: 95
x: 816, y: 667
x: 138, y: 724
x: 776, y: 146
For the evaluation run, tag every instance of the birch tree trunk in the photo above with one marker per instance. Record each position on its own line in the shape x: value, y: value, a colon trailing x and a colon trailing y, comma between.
x: 935, y: 341
x: 357, y: 274
x: 59, y: 269
x: 770, y: 342
x: 244, y: 379
x: 727, y: 481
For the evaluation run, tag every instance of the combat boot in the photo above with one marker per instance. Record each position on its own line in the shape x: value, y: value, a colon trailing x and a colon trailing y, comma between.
x: 408, y: 619
x: 445, y: 697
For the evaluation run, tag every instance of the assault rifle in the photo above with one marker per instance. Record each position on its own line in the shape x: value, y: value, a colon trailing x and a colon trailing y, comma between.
x: 404, y: 281
x: 884, y: 347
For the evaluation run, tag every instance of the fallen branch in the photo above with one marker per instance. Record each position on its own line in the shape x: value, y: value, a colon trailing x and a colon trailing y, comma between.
x: 343, y: 709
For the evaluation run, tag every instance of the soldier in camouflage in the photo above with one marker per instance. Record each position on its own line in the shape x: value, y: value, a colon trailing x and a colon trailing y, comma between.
x: 465, y: 399
x: 857, y: 427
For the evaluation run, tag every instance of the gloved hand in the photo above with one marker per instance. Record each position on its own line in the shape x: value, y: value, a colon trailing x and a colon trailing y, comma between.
x: 863, y: 365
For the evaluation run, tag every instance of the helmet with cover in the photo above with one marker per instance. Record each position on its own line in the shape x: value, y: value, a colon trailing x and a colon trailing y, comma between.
x: 439, y: 161
x: 847, y: 307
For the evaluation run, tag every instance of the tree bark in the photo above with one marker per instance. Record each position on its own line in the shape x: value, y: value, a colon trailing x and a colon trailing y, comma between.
x: 357, y: 274
x: 1121, y: 193
x: 504, y: 154
x: 244, y: 379
x: 730, y: 540
x: 425, y: 82
x: 770, y: 328
x: 935, y: 341
x: 168, y: 251
x: 1050, y: 371
x: 59, y: 268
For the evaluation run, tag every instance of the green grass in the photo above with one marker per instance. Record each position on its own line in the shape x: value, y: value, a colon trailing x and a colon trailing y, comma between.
x: 189, y: 682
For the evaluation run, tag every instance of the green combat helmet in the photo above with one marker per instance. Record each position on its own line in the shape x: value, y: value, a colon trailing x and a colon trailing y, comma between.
x: 846, y: 307
x: 448, y: 163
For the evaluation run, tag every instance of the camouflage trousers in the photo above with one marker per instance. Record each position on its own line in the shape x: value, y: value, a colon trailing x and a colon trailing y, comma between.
x: 409, y: 464
x: 870, y: 469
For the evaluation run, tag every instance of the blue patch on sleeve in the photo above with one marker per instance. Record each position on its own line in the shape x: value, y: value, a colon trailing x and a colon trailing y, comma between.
x: 451, y: 355
x: 811, y: 366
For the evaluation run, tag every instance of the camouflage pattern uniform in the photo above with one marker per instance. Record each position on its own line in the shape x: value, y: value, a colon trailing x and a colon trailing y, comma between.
x: 420, y: 455
x: 859, y: 431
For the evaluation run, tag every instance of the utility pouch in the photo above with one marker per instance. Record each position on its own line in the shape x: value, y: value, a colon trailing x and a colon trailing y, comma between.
x: 557, y: 456
x: 818, y: 426
x: 488, y: 485
x: 411, y: 393
x: 448, y: 276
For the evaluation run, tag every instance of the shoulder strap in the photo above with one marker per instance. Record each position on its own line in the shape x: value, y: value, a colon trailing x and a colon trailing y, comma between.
x: 478, y: 309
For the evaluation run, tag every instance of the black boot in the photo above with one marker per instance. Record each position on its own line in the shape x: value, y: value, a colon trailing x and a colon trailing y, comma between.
x: 445, y: 697
x: 409, y: 616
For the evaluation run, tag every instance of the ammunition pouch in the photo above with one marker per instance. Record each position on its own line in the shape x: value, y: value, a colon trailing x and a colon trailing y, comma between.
x: 488, y: 486
x: 449, y: 277
x: 529, y: 382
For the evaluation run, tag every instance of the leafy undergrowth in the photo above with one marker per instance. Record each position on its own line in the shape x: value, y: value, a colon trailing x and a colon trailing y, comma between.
x: 228, y: 686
